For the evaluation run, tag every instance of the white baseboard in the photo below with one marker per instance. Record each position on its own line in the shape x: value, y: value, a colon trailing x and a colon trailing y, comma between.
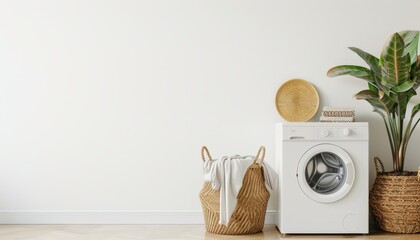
x: 109, y: 217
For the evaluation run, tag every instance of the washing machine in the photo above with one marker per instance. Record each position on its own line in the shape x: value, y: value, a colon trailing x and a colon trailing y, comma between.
x: 323, y: 183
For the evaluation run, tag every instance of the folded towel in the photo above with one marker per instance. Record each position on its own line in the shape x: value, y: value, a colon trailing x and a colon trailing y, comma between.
x: 335, y: 109
x: 227, y: 175
x: 336, y: 119
x: 338, y: 113
x: 270, y: 176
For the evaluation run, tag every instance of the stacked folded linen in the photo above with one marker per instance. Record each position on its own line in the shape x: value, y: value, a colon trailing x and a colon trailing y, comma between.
x: 337, y: 114
x: 336, y: 119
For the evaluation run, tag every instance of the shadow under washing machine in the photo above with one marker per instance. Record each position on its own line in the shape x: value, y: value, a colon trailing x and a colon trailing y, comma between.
x: 323, y: 178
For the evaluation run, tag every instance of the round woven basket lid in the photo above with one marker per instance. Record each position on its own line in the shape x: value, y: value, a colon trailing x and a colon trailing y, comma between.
x: 297, y: 100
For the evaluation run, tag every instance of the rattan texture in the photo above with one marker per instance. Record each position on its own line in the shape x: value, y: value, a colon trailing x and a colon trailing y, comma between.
x: 249, y: 215
x: 395, y: 202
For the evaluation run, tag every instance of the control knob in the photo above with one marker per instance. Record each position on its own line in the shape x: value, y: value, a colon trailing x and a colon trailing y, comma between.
x: 346, y: 132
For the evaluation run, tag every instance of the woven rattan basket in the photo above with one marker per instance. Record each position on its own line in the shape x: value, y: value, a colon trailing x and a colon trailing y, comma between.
x: 249, y: 214
x: 395, y: 201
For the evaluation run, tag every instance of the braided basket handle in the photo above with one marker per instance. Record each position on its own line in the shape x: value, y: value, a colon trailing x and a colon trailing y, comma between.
x: 205, y: 151
x: 262, y: 152
x: 418, y: 175
x: 378, y: 161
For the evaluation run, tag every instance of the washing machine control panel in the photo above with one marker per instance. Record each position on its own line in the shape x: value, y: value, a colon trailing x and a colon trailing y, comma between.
x: 324, y: 131
x: 328, y: 132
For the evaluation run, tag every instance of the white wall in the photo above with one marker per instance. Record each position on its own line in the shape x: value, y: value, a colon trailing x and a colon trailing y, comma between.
x: 104, y: 105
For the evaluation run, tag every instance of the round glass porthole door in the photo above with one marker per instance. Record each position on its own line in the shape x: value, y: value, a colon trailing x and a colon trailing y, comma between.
x: 325, y: 173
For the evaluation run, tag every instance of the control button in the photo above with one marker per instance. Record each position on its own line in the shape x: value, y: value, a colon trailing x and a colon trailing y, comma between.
x: 351, y: 222
x: 325, y: 133
x: 346, y: 132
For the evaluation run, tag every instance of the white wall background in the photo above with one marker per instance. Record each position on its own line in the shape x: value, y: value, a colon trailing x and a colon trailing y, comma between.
x: 104, y: 105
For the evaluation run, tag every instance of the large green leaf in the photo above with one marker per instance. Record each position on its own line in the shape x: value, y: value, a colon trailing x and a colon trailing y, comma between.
x: 372, y: 97
x: 411, y: 42
x: 380, y: 86
x: 355, y: 71
x: 371, y: 60
x: 403, y: 99
x: 415, y: 72
x: 405, y: 86
x: 415, y: 110
x: 377, y: 99
x: 366, y: 94
x: 377, y: 105
x: 388, y: 102
x: 395, y: 65
x: 373, y: 87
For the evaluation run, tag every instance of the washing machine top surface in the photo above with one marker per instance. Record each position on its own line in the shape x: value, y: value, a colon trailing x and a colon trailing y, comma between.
x: 315, y: 124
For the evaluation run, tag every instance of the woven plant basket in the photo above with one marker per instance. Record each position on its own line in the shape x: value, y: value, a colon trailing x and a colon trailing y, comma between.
x: 395, y: 201
x: 249, y: 214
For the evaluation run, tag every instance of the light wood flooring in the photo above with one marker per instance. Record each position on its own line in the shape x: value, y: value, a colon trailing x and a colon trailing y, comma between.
x: 124, y: 232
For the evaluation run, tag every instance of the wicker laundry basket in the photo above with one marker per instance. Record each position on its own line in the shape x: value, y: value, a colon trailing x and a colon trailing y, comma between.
x: 249, y: 214
x: 395, y: 201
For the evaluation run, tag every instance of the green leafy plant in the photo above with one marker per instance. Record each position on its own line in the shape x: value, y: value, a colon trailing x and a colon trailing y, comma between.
x: 392, y: 82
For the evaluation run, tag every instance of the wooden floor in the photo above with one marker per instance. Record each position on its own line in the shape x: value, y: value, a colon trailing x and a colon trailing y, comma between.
x: 123, y: 232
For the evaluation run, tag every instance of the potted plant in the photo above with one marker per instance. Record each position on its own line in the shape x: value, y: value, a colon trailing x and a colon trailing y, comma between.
x: 392, y: 81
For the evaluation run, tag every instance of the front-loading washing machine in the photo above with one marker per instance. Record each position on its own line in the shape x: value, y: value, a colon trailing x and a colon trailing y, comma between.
x: 323, y: 177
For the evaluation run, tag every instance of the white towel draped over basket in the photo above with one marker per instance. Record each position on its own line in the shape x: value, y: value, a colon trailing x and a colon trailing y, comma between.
x: 226, y: 174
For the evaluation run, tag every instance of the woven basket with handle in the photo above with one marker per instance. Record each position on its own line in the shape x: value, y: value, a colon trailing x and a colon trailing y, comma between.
x: 395, y: 201
x: 249, y: 214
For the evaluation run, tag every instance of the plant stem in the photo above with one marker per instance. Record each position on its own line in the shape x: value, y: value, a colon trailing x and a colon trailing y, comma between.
x: 401, y: 153
x: 394, y: 150
x: 391, y: 143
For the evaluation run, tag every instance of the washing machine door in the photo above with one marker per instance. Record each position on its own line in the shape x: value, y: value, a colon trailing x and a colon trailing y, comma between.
x: 325, y: 173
